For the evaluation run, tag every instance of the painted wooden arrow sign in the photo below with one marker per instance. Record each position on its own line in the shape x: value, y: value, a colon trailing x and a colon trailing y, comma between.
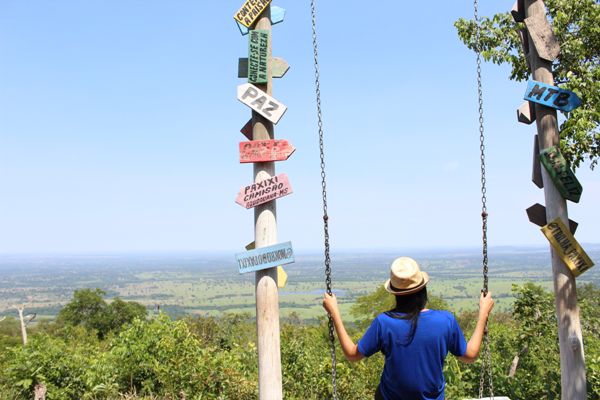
x: 277, y: 16
x: 264, y: 191
x: 250, y: 11
x: 279, y: 67
x: 536, y: 168
x: 542, y: 36
x: 247, y: 129
x: 552, y: 96
x: 281, y: 274
x: 537, y: 215
x: 265, y: 257
x: 526, y: 113
x: 261, y: 102
x: 564, y: 179
x: 265, y: 151
x: 567, y: 247
x: 258, y: 56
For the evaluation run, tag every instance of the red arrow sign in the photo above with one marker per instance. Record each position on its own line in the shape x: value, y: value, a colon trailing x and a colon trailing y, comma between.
x: 265, y: 151
x: 264, y: 191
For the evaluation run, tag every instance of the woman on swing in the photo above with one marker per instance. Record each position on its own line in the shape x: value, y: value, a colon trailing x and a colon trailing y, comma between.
x: 415, y: 340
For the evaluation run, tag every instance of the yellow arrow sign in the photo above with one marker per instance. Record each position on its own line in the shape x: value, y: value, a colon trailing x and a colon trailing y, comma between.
x: 281, y: 274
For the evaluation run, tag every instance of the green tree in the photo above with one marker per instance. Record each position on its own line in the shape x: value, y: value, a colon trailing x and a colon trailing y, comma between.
x: 575, y: 24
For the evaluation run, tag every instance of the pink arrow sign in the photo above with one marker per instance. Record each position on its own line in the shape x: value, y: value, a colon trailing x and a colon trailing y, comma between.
x: 265, y: 151
x: 264, y: 191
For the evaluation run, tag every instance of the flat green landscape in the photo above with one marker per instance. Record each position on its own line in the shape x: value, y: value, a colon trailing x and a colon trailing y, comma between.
x: 198, y: 284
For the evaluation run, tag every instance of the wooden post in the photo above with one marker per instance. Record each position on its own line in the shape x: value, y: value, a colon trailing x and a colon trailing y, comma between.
x: 23, y: 328
x: 572, y: 363
x: 265, y: 234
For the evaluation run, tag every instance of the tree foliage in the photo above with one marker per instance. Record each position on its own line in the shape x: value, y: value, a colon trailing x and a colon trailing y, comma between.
x: 575, y: 24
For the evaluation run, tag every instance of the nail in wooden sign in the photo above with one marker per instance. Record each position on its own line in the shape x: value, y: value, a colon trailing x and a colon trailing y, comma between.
x: 265, y: 151
x: 264, y: 191
x: 261, y: 102
x: 265, y: 257
x: 542, y: 36
x: 258, y: 56
x: 564, y: 179
x: 278, y: 67
x: 551, y: 96
x: 277, y: 16
x: 536, y: 170
x: 567, y: 247
x: 526, y: 113
x: 537, y: 215
x: 250, y: 11
x: 281, y: 274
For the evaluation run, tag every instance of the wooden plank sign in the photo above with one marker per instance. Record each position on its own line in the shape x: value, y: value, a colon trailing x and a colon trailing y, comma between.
x: 567, y: 247
x: 281, y: 274
x: 542, y: 36
x: 258, y: 56
x: 564, y: 179
x: 537, y: 215
x: 526, y: 113
x: 265, y: 257
x: 536, y: 170
x: 264, y: 191
x: 265, y: 151
x: 247, y: 129
x: 250, y: 12
x: 278, y: 67
x: 277, y: 16
x: 551, y: 96
x: 261, y: 102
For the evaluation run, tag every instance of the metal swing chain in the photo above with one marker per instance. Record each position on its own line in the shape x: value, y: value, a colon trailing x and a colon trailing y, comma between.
x: 324, y: 193
x: 486, y: 366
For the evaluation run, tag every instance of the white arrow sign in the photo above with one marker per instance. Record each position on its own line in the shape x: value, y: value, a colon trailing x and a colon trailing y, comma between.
x: 261, y: 102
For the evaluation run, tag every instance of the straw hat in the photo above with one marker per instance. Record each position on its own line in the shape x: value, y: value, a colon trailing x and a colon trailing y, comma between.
x: 405, y: 277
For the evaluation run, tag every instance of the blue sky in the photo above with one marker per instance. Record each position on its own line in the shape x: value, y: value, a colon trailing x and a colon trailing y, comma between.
x: 119, y: 128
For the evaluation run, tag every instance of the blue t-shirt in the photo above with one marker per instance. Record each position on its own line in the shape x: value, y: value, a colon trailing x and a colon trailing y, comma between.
x: 414, y: 370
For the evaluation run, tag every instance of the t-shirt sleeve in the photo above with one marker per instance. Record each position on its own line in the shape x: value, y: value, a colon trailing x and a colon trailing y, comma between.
x: 458, y: 344
x: 370, y: 343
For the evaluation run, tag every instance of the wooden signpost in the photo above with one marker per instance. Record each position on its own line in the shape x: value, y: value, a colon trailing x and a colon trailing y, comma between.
x: 537, y: 215
x: 281, y: 274
x: 261, y: 102
x: 278, y: 67
x: 264, y: 191
x: 564, y: 179
x: 567, y: 247
x: 265, y: 257
x: 265, y: 151
x: 258, y: 46
x: 542, y: 36
x: 250, y: 11
x: 552, y: 96
x: 277, y: 16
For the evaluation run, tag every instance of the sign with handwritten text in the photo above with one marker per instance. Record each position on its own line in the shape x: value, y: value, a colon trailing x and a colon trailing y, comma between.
x: 264, y: 191
x: 551, y: 96
x: 250, y: 11
x: 567, y: 247
x: 265, y: 257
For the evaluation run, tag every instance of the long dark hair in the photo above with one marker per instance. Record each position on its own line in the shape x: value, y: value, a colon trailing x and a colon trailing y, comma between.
x: 409, y: 307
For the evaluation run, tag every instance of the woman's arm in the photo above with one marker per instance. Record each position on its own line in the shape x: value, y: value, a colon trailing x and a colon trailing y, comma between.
x: 486, y: 303
x: 348, y: 347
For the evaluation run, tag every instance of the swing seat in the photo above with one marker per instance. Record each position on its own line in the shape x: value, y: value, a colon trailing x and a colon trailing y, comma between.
x: 491, y: 398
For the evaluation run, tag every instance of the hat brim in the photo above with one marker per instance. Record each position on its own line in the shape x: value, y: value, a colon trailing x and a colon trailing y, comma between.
x: 388, y: 287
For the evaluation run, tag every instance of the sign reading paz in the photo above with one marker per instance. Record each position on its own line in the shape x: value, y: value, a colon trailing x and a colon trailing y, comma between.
x: 552, y: 96
x: 250, y: 11
x: 258, y: 56
x: 264, y: 191
x: 567, y: 247
x: 261, y: 102
x: 564, y: 179
x: 265, y: 151
x: 265, y: 257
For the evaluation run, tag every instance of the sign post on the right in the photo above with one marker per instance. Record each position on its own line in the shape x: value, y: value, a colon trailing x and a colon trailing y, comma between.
x: 567, y: 247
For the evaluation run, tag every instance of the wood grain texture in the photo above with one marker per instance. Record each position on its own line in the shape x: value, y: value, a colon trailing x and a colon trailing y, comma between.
x: 543, y: 37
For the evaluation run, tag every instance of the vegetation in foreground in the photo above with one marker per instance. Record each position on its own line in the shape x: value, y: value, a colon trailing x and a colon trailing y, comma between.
x: 88, y: 353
